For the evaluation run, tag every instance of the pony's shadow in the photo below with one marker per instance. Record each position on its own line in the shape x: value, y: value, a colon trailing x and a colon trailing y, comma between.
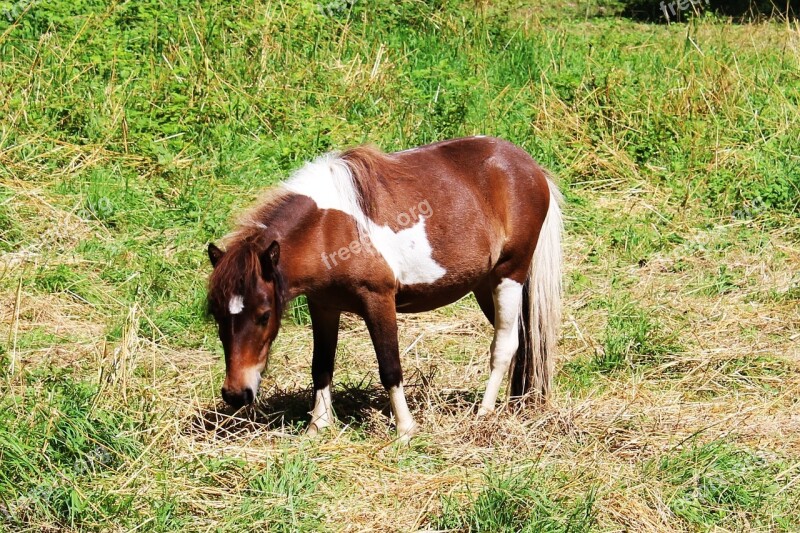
x: 286, y: 412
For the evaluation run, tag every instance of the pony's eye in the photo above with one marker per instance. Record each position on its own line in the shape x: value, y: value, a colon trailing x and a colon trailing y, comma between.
x: 263, y: 319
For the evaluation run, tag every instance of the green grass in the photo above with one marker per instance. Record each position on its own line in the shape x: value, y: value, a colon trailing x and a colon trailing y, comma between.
x: 633, y: 342
x: 519, y: 501
x: 633, y: 338
x: 57, y: 452
x: 281, y: 497
x: 132, y: 132
x: 717, y: 484
x: 59, y: 458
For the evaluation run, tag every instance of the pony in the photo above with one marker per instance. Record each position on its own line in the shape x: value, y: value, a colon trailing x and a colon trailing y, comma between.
x: 376, y: 234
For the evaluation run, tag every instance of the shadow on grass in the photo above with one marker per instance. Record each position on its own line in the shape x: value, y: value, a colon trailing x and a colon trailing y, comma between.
x: 287, y: 411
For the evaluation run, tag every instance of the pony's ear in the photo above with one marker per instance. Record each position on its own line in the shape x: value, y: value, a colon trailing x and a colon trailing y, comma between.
x: 269, y: 259
x: 214, y: 254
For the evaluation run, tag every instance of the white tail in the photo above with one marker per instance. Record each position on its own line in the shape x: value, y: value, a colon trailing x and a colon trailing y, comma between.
x: 534, y: 364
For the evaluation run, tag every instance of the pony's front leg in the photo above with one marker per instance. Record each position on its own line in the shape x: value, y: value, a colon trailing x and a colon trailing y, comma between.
x: 325, y: 326
x: 381, y: 319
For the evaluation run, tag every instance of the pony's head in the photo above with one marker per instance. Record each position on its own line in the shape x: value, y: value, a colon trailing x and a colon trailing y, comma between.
x: 246, y: 295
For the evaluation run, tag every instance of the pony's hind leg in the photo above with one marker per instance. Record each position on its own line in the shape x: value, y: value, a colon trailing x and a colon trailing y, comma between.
x: 484, y: 294
x: 325, y: 326
x: 507, y: 298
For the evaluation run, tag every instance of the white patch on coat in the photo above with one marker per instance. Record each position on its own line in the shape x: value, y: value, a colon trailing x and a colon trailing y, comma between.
x: 328, y: 181
x: 236, y: 305
x: 407, y: 252
x: 507, y: 306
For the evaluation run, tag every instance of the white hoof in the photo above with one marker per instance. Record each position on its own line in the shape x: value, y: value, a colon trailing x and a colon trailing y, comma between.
x: 484, y: 411
x: 404, y: 434
x: 314, y: 428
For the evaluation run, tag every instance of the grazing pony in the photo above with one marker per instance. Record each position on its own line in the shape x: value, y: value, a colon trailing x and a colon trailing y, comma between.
x: 375, y: 234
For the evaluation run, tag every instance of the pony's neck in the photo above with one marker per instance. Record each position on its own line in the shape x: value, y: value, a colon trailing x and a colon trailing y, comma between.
x: 294, y: 224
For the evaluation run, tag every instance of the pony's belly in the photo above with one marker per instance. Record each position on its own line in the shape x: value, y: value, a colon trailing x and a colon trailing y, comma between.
x: 419, y: 298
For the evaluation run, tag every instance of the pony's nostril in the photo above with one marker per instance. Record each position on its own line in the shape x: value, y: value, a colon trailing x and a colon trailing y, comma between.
x: 234, y: 400
x: 248, y: 395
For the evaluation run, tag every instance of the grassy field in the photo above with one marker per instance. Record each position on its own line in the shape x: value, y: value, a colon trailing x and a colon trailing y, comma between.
x: 131, y: 133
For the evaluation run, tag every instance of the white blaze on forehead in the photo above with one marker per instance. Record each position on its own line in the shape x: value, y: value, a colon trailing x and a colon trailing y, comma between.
x: 236, y: 305
x: 408, y: 252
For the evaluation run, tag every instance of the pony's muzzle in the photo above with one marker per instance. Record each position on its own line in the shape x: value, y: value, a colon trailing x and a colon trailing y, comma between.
x: 240, y: 388
x: 238, y: 398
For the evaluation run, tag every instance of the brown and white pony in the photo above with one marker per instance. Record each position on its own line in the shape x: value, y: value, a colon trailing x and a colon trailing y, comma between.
x: 375, y: 234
